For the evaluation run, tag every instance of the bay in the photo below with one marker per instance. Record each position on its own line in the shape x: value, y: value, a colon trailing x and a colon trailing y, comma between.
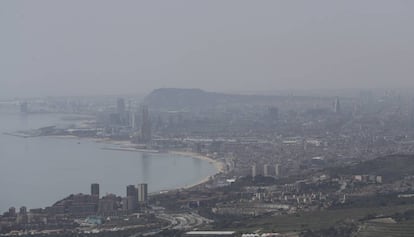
x: 36, y: 172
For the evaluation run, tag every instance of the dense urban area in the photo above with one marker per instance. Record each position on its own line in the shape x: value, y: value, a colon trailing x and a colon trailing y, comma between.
x: 288, y: 165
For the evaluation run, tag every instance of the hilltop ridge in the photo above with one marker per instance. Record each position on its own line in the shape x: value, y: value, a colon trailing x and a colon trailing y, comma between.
x: 178, y: 98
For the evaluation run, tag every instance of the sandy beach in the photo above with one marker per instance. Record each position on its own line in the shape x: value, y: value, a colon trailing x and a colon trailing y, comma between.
x: 128, y: 146
x: 217, y: 164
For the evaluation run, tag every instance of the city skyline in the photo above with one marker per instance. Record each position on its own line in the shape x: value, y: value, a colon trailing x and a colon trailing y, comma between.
x: 234, y: 118
x: 135, y: 47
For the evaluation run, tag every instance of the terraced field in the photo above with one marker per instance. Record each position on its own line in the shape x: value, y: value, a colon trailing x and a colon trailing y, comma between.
x: 404, y: 229
x: 317, y: 219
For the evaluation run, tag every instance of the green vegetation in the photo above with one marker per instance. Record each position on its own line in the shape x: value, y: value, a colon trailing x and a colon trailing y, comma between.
x: 377, y: 200
x: 316, y: 220
x: 344, y: 230
x: 391, y: 168
x: 371, y: 229
x: 400, y: 225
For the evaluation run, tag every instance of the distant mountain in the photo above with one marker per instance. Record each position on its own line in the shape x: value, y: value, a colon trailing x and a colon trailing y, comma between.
x: 174, y: 98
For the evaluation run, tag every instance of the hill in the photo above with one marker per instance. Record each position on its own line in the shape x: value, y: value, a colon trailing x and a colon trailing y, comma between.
x: 391, y: 168
x: 172, y: 98
x: 178, y: 99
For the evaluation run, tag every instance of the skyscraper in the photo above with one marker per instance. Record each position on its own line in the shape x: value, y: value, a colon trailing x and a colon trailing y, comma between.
x: 23, y: 210
x: 133, y: 120
x: 277, y: 170
x: 267, y: 170
x: 143, y: 192
x: 146, y: 125
x: 120, y: 106
x: 337, y: 106
x: 254, y: 170
x: 132, y: 191
x: 95, y: 190
x: 122, y: 115
x: 132, y: 197
x: 24, y: 108
x: 12, y: 212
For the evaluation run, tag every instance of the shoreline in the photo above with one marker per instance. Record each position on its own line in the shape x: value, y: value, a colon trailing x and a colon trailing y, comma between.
x: 218, y: 165
x: 127, y: 146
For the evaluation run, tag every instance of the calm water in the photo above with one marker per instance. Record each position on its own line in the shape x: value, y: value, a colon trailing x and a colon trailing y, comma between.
x: 36, y: 172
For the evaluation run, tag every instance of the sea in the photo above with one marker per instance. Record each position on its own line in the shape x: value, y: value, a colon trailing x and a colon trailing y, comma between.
x: 38, y: 171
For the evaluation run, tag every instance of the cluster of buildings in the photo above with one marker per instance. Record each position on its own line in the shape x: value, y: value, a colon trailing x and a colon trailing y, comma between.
x: 91, y: 206
x: 125, y: 124
x: 266, y: 171
x: 257, y: 141
x: 82, y: 205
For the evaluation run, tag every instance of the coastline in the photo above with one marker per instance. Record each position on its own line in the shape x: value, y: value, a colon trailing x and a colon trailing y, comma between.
x: 127, y: 146
x: 217, y: 164
x: 220, y: 166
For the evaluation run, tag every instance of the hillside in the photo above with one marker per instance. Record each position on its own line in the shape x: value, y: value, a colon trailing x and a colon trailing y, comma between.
x: 172, y: 98
x: 391, y: 168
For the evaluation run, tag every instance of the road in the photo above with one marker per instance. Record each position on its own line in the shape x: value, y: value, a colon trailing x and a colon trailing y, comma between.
x: 184, y: 221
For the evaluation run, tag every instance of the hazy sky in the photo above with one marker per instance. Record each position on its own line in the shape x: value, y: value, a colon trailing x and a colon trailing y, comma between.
x: 115, y: 47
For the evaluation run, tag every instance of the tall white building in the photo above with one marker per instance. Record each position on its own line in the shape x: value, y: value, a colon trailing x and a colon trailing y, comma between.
x: 277, y: 171
x: 266, y: 170
x: 142, y: 192
x: 254, y: 170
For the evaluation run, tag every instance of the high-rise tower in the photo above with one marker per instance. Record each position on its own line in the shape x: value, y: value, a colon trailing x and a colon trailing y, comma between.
x: 132, y: 197
x: 24, y: 108
x: 143, y: 192
x: 146, y: 125
x: 95, y: 190
x: 120, y: 106
x: 337, y: 106
x: 254, y: 170
x: 277, y: 170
